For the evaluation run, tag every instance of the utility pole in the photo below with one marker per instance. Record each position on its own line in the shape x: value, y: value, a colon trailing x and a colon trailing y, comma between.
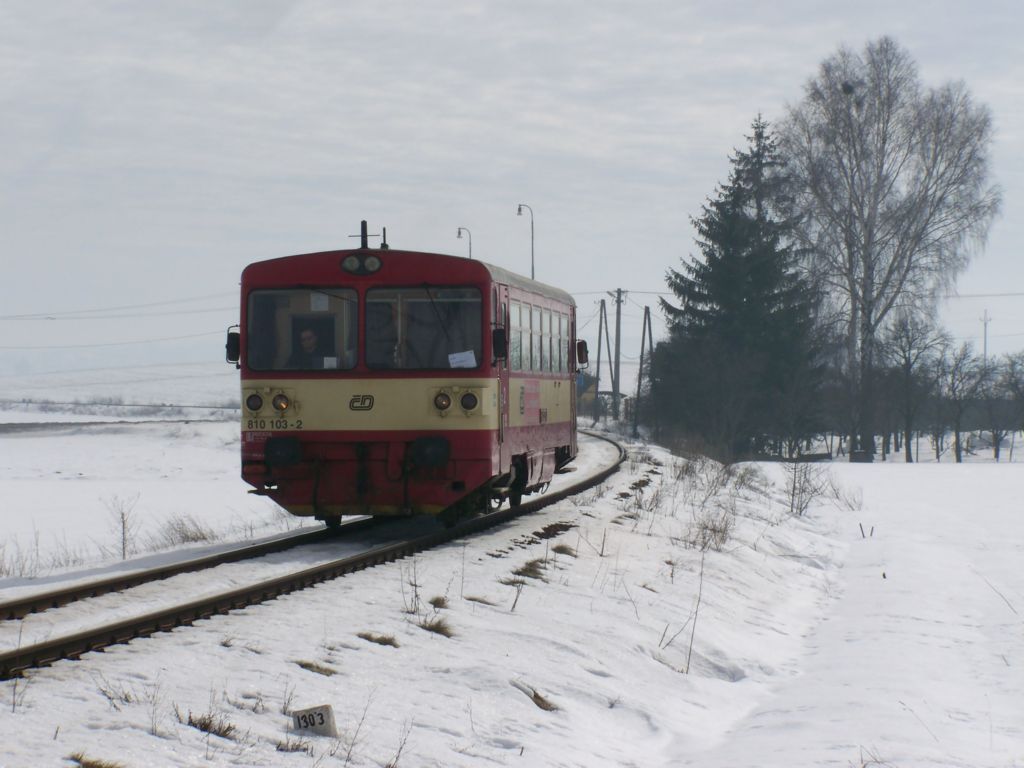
x: 618, y: 349
x: 602, y: 329
x: 646, y: 337
x: 985, y: 320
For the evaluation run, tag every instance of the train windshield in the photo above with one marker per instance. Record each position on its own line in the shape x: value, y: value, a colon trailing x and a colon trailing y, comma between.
x: 423, y: 328
x: 302, y: 329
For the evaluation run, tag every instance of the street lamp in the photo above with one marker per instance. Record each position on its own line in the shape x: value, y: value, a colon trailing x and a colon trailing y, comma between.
x: 520, y: 213
x: 459, y: 236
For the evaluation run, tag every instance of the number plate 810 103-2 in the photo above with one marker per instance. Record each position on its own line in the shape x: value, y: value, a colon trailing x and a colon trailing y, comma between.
x: 318, y: 720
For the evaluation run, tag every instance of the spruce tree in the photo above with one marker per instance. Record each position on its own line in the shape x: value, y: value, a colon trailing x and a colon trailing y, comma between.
x: 738, y: 369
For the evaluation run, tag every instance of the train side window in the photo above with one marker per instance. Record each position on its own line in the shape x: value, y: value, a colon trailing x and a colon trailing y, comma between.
x: 538, y: 360
x: 516, y: 336
x: 503, y: 322
x: 527, y: 337
x: 549, y: 340
x: 535, y: 339
x: 556, y: 343
x: 563, y: 342
x: 538, y: 335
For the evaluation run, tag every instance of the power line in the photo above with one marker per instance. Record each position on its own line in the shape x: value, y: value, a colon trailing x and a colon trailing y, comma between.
x: 39, y: 315
x: 119, y: 343
x: 176, y: 364
x: 55, y: 318
x: 122, y: 405
x: 981, y: 295
x: 579, y: 327
x: 626, y: 290
x: 944, y: 296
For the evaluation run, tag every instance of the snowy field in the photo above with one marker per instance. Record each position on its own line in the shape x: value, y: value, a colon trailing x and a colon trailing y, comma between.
x: 682, y: 615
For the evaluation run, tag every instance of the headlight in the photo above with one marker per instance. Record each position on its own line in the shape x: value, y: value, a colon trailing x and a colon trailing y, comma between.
x: 254, y: 402
x: 442, y: 401
x: 280, y: 402
x: 469, y: 401
x: 361, y: 265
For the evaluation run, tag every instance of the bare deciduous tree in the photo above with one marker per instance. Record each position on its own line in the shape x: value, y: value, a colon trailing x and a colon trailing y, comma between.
x: 1013, y: 383
x: 908, y: 344
x: 965, y: 376
x: 893, y: 189
x: 995, y: 397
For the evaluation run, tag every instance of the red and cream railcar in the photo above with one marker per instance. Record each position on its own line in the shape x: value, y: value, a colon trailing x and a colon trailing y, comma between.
x: 388, y: 382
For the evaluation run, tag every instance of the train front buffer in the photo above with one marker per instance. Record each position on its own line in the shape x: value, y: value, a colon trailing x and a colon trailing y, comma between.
x: 386, y: 447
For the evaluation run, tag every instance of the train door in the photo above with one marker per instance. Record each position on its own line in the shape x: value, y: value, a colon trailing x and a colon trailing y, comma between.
x: 501, y: 321
x: 571, y: 368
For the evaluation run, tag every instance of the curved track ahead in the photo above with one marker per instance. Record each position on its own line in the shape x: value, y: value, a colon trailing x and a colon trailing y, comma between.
x: 14, y: 663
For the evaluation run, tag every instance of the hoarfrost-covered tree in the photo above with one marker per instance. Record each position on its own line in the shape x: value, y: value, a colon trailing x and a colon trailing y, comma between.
x: 893, y: 194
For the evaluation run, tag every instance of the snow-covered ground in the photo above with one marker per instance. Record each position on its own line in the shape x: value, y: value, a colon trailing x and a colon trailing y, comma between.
x: 681, y: 615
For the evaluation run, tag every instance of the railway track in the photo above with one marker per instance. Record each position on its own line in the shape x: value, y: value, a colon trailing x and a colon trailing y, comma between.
x: 74, y: 644
x: 42, y: 601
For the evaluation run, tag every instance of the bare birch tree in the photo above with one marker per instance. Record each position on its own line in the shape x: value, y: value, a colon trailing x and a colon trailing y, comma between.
x: 893, y: 188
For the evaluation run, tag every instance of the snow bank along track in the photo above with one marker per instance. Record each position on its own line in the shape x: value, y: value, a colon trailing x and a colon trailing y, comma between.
x: 14, y: 663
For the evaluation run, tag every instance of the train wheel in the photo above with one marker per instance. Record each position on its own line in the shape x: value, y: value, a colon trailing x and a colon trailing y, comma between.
x: 333, y: 523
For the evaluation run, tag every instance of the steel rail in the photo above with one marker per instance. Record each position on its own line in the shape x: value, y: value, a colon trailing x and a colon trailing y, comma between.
x: 15, y: 663
x: 42, y: 601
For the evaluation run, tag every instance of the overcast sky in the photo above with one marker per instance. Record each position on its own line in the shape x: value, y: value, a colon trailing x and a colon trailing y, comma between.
x: 152, y: 150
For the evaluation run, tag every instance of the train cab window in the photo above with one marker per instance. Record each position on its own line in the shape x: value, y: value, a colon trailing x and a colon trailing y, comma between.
x: 424, y: 328
x: 302, y: 329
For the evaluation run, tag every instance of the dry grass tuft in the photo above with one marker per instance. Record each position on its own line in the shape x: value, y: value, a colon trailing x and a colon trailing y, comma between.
x: 218, y: 725
x: 91, y: 762
x: 710, y: 530
x: 373, y: 637
x: 543, y: 703
x: 183, y: 529
x: 438, y: 602
x: 564, y: 549
x: 536, y: 697
x: 315, y: 666
x: 478, y: 599
x: 294, y: 745
x: 534, y: 569
x: 439, y: 626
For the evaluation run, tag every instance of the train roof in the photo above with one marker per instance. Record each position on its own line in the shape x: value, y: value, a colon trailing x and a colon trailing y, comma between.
x: 324, y: 265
